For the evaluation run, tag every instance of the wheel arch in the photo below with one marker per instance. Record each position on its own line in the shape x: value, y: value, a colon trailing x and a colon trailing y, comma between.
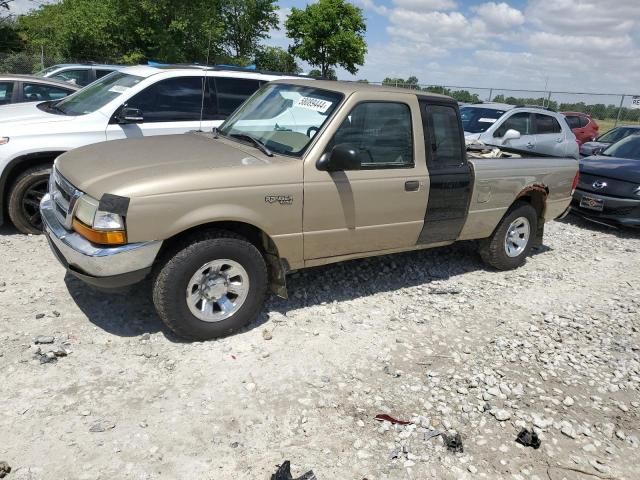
x: 536, y: 196
x: 278, y: 267
x: 15, y: 167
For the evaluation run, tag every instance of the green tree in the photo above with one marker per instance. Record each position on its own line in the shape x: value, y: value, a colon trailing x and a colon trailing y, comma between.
x: 328, y: 34
x: 276, y: 59
x: 330, y: 75
x: 246, y: 23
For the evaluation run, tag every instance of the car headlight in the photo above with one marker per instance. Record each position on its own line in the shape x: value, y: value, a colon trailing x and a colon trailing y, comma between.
x: 637, y: 191
x: 98, y: 226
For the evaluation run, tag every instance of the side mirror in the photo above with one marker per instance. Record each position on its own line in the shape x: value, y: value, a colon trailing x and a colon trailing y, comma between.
x: 511, y: 134
x: 343, y: 157
x: 129, y: 115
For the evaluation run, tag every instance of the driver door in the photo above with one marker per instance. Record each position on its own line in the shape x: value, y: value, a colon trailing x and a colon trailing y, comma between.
x: 171, y: 106
x: 380, y: 206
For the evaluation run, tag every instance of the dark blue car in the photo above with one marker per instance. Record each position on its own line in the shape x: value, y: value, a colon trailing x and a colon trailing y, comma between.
x: 609, y: 187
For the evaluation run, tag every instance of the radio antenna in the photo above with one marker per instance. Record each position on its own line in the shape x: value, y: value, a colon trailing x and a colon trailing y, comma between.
x: 204, y: 82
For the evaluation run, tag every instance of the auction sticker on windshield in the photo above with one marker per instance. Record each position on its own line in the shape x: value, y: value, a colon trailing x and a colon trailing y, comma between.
x: 118, y: 89
x: 314, y: 104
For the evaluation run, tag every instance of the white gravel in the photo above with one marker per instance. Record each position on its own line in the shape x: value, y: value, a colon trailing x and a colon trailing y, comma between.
x: 428, y: 337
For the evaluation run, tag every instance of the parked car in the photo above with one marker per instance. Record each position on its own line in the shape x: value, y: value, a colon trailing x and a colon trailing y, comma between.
x: 582, y: 125
x: 612, y: 136
x: 609, y: 187
x: 525, y: 128
x: 78, y: 74
x: 134, y: 102
x: 26, y: 88
x: 221, y: 216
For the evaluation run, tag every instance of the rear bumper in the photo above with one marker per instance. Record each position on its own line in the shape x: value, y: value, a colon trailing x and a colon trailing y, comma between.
x: 103, y: 267
x: 621, y: 211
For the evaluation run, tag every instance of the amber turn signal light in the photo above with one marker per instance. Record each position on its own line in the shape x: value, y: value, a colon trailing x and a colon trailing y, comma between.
x: 114, y: 237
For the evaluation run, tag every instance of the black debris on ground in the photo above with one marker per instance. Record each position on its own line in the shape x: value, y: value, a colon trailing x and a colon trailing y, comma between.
x: 528, y: 438
x: 453, y: 443
x: 284, y: 473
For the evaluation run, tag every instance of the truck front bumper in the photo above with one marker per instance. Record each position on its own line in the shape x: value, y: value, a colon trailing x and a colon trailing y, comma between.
x: 100, y: 266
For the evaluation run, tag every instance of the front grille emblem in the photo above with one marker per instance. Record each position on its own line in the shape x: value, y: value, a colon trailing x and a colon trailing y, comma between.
x: 599, y: 184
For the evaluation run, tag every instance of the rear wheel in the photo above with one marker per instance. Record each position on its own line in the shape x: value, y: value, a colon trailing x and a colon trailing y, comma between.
x: 512, y: 239
x: 211, y: 287
x: 24, y: 199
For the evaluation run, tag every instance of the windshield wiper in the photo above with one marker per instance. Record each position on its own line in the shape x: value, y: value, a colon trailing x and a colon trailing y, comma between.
x: 257, y: 143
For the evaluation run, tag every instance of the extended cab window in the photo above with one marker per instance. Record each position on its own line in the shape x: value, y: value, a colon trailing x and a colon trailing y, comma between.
x: 546, y: 124
x: 442, y: 135
x: 520, y: 122
x: 171, y: 100
x: 380, y: 132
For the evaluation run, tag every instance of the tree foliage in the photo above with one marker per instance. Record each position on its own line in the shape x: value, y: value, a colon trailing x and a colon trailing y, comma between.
x: 328, y: 34
x: 131, y: 31
x: 276, y: 59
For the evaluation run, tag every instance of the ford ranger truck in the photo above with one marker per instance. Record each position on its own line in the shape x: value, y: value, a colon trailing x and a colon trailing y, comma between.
x: 304, y: 173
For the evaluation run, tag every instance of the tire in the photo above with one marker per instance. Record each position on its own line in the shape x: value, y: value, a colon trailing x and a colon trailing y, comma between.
x: 497, y: 252
x: 24, y: 199
x: 224, y: 252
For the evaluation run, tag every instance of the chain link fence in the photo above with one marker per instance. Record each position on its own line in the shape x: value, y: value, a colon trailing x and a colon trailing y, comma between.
x: 608, y: 110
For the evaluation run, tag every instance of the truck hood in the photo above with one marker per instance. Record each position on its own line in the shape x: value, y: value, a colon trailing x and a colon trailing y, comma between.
x: 20, y: 115
x: 164, y: 164
x: 624, y: 169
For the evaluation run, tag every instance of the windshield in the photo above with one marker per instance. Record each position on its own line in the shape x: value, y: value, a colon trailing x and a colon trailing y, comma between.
x: 478, y: 120
x: 628, y: 147
x: 46, y: 71
x: 618, y: 133
x: 98, y: 94
x: 284, y: 118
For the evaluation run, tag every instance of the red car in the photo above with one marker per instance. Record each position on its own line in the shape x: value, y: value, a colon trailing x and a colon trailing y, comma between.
x: 583, y: 126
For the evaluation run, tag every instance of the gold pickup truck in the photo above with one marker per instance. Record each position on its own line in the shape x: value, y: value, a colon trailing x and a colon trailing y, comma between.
x: 304, y: 173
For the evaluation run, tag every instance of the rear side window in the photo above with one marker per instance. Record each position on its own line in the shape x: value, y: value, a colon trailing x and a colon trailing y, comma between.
x: 231, y: 92
x: 518, y: 121
x: 6, y: 91
x: 172, y: 100
x: 546, y: 124
x: 34, y: 92
x: 573, y: 121
x: 381, y: 133
x: 442, y: 135
x: 102, y: 73
x: 584, y: 121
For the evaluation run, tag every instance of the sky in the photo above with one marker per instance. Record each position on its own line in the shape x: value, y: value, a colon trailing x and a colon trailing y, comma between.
x: 566, y: 45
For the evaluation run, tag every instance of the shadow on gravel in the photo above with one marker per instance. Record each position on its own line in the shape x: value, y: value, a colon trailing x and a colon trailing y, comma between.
x: 618, y: 231
x: 7, y: 230
x: 370, y: 276
x: 131, y: 312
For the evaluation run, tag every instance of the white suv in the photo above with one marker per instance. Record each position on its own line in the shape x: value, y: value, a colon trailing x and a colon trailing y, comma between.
x: 531, y: 129
x: 133, y: 102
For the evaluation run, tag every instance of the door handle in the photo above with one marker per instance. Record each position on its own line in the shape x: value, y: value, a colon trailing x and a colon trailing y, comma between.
x: 559, y: 140
x: 412, y: 186
x: 529, y: 145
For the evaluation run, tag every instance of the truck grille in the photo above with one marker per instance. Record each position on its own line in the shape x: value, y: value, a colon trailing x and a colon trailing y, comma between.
x: 65, y: 197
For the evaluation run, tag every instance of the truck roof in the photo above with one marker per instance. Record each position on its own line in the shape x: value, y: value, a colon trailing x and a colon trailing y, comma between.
x: 348, y: 88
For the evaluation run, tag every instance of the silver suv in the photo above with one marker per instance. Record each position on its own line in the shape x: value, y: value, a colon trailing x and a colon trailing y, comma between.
x: 527, y: 128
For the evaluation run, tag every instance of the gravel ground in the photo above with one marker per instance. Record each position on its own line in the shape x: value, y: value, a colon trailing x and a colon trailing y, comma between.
x: 432, y: 338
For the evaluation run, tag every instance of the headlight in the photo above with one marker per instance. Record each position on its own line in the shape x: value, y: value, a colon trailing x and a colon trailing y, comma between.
x: 4, y: 140
x: 97, y: 226
x: 637, y: 191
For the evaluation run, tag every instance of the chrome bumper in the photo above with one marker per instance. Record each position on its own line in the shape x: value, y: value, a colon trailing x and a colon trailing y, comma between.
x: 108, y: 267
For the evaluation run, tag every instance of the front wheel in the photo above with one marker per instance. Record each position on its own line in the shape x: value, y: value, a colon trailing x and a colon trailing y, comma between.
x: 24, y: 199
x: 507, y: 248
x: 212, y: 287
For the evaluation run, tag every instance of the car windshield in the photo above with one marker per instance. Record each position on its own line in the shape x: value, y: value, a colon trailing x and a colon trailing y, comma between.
x: 284, y: 118
x: 46, y: 71
x: 617, y: 134
x: 97, y: 95
x: 628, y: 147
x: 478, y: 120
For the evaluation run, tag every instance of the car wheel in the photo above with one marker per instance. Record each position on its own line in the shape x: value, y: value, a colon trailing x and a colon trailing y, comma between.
x: 24, y: 199
x: 210, y: 287
x: 512, y: 239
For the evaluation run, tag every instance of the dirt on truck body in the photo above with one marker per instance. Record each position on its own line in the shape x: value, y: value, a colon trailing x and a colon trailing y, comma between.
x: 305, y: 173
